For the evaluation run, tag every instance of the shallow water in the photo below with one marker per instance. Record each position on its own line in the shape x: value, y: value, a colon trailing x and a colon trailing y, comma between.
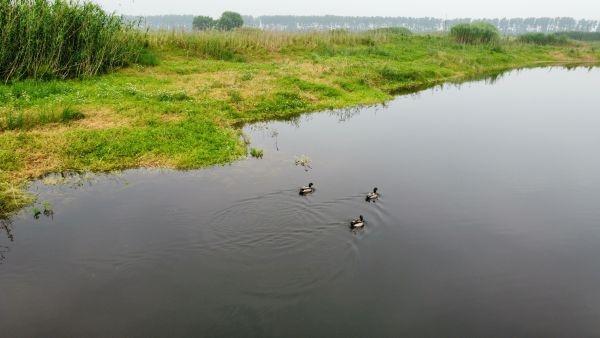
x: 488, y: 225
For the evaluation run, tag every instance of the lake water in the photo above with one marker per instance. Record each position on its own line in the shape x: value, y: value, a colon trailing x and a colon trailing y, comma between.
x: 488, y: 226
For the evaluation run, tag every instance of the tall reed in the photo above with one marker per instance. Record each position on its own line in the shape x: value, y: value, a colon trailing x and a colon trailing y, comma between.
x: 475, y: 33
x: 60, y: 39
x: 241, y: 43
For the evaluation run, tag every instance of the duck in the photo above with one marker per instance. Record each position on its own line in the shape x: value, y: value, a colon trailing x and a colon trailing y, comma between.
x: 307, y: 189
x: 358, y: 223
x: 372, y: 196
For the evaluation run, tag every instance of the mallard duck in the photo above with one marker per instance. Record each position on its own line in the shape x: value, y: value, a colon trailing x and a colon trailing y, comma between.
x: 372, y: 195
x: 358, y: 223
x: 307, y: 190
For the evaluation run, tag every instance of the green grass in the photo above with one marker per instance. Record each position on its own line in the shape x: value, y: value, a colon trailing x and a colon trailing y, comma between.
x: 183, y: 107
x: 17, y: 119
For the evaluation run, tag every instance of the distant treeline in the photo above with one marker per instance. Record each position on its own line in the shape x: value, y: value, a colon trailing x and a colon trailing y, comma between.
x: 512, y: 26
x: 177, y: 22
x: 583, y: 36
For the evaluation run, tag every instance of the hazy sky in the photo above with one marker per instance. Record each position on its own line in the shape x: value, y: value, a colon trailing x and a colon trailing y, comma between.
x: 589, y: 9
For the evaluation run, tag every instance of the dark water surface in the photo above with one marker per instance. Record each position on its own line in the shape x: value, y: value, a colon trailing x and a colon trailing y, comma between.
x: 488, y: 226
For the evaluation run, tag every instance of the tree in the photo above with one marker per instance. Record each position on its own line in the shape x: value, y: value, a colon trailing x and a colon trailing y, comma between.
x: 202, y: 23
x: 230, y: 21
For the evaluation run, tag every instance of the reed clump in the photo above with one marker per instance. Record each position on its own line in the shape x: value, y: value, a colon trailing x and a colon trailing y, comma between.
x: 475, y: 33
x: 44, y: 39
x: 241, y: 44
x: 544, y: 39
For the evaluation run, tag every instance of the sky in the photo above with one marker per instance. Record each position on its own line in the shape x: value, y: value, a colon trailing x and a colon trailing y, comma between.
x: 580, y: 9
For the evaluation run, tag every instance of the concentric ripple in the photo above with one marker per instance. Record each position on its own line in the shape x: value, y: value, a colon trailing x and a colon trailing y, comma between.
x: 294, y: 243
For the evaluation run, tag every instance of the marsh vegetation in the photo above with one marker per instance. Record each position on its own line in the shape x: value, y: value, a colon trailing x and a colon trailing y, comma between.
x: 63, y: 39
x: 475, y: 33
x: 544, y: 39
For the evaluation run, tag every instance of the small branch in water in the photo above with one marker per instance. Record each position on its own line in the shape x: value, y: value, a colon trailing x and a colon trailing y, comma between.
x: 274, y: 134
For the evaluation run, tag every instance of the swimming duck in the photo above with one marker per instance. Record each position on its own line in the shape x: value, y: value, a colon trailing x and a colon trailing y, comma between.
x: 307, y: 190
x: 358, y: 223
x: 372, y: 196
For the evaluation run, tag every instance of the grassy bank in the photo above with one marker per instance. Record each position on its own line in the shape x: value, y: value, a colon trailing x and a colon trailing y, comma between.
x: 183, y: 112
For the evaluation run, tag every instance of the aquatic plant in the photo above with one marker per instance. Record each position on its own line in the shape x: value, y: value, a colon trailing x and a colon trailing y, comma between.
x: 48, y: 209
x: 475, y: 33
x: 275, y: 135
x: 303, y: 161
x: 36, y: 212
x: 256, y: 153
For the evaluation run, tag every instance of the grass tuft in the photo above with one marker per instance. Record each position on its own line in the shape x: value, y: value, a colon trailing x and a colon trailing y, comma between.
x: 256, y: 153
x: 70, y: 114
x: 172, y: 96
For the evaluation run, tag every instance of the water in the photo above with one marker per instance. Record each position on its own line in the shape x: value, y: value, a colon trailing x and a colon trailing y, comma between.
x: 488, y: 225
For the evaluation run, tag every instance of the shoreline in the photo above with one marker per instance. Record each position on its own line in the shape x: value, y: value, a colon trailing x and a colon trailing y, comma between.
x: 157, y: 117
